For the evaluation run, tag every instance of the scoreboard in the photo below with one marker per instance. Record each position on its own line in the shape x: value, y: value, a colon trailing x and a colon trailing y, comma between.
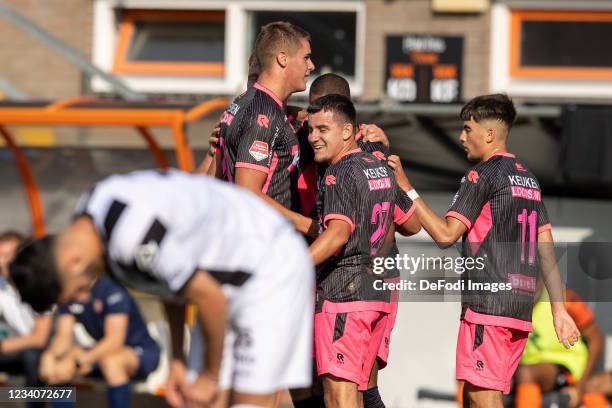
x: 424, y: 68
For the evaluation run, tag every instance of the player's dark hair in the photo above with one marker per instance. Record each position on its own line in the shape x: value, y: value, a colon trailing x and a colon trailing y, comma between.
x: 275, y: 37
x: 254, y: 70
x: 340, y: 105
x: 485, y: 107
x: 11, y: 235
x: 330, y: 84
x: 34, y: 274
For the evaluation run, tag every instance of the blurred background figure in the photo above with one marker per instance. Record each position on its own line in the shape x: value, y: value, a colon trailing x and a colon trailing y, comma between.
x: 548, y: 366
x: 123, y: 350
x: 23, y: 333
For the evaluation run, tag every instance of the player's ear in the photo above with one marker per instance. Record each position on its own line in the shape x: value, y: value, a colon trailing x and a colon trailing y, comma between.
x: 281, y: 59
x: 491, y: 134
x: 347, y: 132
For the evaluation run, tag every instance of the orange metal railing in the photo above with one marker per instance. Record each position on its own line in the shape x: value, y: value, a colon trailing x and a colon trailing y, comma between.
x: 66, y: 112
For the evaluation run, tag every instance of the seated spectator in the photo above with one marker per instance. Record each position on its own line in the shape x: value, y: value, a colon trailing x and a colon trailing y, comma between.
x: 547, y: 366
x: 124, y: 350
x: 25, y: 333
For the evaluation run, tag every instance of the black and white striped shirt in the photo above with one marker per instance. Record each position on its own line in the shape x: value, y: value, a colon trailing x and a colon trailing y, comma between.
x: 160, y: 227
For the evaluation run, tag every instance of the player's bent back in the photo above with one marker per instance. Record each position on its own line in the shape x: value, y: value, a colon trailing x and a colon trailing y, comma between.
x: 162, y: 227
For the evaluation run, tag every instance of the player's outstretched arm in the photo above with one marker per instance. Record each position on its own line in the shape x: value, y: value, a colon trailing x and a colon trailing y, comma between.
x: 211, y: 304
x: 444, y: 231
x: 254, y: 180
x: 335, y: 236
x: 566, y: 329
x: 410, y: 227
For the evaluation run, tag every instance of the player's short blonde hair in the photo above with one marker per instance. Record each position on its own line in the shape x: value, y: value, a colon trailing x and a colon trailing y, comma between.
x: 275, y: 37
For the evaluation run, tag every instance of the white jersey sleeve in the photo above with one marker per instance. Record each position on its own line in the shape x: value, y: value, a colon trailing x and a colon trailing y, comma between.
x: 160, y: 227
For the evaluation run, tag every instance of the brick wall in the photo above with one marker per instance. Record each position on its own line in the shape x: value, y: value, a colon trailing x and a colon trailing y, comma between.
x: 33, y: 67
x: 386, y: 17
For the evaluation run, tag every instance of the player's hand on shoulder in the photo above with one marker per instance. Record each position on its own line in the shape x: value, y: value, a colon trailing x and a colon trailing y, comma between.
x: 213, y: 140
x: 565, y: 327
x: 301, y: 117
x: 372, y: 133
x: 203, y: 392
x: 175, y: 386
x: 395, y: 163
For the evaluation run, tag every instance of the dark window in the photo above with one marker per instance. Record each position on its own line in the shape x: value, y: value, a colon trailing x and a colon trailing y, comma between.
x: 333, y: 36
x: 566, y: 44
x: 177, y: 41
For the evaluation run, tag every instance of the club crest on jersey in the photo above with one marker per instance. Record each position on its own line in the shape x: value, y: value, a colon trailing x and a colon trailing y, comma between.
x: 98, y: 307
x: 233, y: 108
x: 259, y: 150
x: 330, y: 180
x: 367, y: 160
x: 145, y: 255
x: 76, y: 308
x: 263, y: 121
x: 519, y: 167
x: 473, y: 176
x: 114, y: 298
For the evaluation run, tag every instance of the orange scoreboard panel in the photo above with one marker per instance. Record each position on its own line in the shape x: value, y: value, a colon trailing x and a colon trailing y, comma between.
x: 424, y: 68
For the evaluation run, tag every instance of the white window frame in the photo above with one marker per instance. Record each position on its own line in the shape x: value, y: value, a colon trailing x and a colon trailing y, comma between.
x: 237, y: 12
x: 500, y: 79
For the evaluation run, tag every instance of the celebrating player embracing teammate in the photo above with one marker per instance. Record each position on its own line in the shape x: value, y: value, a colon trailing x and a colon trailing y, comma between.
x: 357, y: 205
x: 260, y: 150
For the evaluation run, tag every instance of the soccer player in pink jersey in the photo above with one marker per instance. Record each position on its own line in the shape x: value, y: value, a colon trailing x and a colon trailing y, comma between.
x: 358, y: 202
x: 260, y: 151
x: 498, y: 210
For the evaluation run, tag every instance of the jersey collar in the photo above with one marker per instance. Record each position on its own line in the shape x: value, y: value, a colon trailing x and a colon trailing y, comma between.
x: 262, y: 88
x: 505, y: 154
x: 357, y: 150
